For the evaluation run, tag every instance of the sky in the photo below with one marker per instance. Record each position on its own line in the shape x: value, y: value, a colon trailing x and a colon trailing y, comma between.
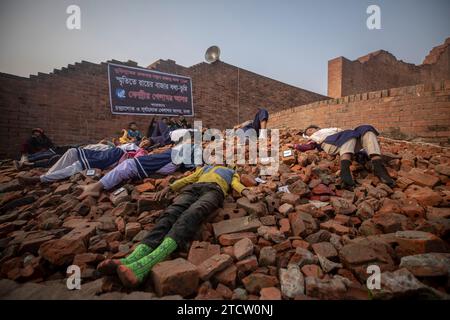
x: 290, y: 41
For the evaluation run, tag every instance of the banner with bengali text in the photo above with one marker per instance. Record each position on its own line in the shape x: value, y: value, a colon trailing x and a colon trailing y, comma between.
x: 139, y: 91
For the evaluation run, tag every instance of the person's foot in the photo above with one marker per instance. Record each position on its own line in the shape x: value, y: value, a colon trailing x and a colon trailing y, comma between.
x: 109, y: 266
x: 134, y: 273
x: 88, y: 191
x: 24, y: 180
x: 17, y: 165
x: 346, y: 175
x: 127, y: 277
x: 380, y: 171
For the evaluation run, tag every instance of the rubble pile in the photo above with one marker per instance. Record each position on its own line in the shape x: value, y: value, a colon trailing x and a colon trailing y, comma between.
x: 309, y: 240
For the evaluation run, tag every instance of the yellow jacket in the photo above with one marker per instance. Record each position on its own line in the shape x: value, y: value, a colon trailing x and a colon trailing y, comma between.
x: 124, y: 138
x: 221, y: 175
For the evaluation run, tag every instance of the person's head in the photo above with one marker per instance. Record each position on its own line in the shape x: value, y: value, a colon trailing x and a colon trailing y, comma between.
x: 132, y: 126
x: 37, y: 132
x: 311, y: 129
x: 165, y: 120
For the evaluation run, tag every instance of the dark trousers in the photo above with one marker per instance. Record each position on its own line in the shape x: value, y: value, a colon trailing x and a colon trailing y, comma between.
x: 181, y: 220
x: 41, y: 155
x: 56, y: 153
x: 46, y: 162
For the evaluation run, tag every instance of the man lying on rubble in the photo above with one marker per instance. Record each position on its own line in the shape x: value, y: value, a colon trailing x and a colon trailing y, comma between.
x: 202, y: 193
x: 37, y: 151
x: 258, y: 123
x: 346, y: 143
x: 58, y: 152
x: 140, y: 168
x: 76, y: 160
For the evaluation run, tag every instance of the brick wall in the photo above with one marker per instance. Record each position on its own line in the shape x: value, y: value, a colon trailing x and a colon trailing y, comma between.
x: 417, y: 113
x: 381, y: 70
x: 225, y: 95
x: 72, y: 104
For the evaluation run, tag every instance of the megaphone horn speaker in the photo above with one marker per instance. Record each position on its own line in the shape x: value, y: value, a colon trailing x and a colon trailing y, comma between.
x: 212, y: 54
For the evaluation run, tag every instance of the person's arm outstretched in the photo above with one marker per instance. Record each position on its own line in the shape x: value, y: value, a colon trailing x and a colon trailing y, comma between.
x: 241, y: 189
x: 180, y: 183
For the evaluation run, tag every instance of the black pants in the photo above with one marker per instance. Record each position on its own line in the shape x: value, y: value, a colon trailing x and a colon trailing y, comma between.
x: 46, y: 163
x: 181, y: 220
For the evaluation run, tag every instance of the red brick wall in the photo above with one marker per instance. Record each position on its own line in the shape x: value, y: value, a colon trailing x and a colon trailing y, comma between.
x: 225, y: 95
x: 335, y: 77
x: 72, y: 104
x: 418, y: 113
x: 381, y: 70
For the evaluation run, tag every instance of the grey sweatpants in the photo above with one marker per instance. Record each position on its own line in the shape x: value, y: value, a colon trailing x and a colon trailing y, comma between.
x: 67, y: 166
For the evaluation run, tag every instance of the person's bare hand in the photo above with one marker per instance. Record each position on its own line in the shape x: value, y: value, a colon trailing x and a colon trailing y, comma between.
x: 158, y: 196
x: 290, y: 145
x: 144, y: 143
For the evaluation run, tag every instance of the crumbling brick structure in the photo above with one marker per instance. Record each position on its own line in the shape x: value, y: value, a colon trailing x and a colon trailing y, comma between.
x: 381, y: 70
x: 419, y: 113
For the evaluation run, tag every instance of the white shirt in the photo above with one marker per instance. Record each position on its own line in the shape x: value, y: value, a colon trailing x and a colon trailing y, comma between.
x: 98, y: 147
x: 322, y: 134
x: 128, y: 147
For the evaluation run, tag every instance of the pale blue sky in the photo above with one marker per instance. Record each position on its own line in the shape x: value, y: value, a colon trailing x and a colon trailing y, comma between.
x: 290, y: 41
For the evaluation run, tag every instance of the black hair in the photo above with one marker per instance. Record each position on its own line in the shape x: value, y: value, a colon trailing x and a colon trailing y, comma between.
x: 131, y: 123
x: 311, y: 126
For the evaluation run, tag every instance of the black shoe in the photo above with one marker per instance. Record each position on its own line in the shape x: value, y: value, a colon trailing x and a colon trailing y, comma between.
x: 380, y: 171
x: 346, y: 175
x: 362, y: 157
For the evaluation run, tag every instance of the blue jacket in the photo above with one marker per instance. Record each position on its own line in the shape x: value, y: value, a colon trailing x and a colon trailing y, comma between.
x: 95, y: 159
x: 338, y: 139
x: 261, y: 115
x: 160, y: 134
x: 149, y: 164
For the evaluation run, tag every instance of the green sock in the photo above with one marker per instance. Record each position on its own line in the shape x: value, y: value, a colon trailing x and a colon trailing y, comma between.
x: 142, y: 267
x: 141, y: 251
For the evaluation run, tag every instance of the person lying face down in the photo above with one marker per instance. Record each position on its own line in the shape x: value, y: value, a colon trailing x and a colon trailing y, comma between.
x: 76, y: 160
x: 201, y: 194
x: 139, y: 168
x: 346, y: 143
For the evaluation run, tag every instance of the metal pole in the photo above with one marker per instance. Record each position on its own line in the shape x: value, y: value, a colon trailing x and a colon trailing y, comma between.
x: 238, y: 97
